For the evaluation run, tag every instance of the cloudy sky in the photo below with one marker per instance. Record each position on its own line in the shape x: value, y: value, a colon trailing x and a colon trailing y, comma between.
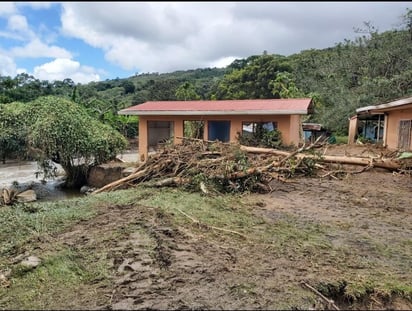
x: 92, y: 41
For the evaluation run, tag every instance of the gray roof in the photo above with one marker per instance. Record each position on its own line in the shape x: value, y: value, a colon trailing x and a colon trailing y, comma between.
x: 393, y: 104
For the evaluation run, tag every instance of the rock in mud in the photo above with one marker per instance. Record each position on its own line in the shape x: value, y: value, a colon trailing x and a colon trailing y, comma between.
x: 26, y: 196
x: 104, y: 174
x: 31, y: 262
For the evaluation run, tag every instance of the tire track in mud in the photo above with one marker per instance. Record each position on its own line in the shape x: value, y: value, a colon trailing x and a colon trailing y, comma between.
x: 165, y: 268
x: 154, y: 264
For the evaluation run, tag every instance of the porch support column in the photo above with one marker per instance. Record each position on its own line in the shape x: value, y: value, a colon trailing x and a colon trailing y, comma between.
x: 178, y: 130
x: 143, y: 137
x: 353, y: 129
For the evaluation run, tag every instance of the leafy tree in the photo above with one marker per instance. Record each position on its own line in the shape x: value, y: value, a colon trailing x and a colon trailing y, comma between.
x: 7, y: 84
x: 407, y: 22
x: 162, y: 89
x: 12, y: 133
x: 127, y: 125
x: 128, y: 86
x: 283, y: 86
x: 63, y: 132
x: 186, y: 91
x: 252, y: 79
x: 371, y: 69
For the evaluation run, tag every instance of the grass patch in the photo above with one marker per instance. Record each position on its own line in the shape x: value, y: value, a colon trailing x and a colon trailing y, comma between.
x: 229, y: 212
x: 22, y: 223
x: 57, y: 283
x: 341, y: 139
x: 219, y: 211
x: 361, y: 289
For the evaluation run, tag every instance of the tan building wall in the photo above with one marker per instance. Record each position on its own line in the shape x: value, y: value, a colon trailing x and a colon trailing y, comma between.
x: 288, y: 125
x: 353, y: 129
x: 392, y: 129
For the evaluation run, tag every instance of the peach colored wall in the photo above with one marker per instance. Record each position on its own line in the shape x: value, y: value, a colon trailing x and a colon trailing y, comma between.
x: 143, y: 138
x: 288, y: 125
x: 353, y: 129
x: 392, y: 130
x: 295, y: 130
x: 178, y: 131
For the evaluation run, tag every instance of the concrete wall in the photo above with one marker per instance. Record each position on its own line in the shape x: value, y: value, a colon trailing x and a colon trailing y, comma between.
x: 353, y: 129
x: 295, y: 132
x: 289, y: 125
x: 392, y: 130
x: 159, y: 131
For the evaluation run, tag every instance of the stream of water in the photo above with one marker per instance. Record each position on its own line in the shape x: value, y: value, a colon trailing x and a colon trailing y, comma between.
x: 21, y: 175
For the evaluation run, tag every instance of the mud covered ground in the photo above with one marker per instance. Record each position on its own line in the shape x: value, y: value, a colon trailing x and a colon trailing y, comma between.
x: 351, y: 239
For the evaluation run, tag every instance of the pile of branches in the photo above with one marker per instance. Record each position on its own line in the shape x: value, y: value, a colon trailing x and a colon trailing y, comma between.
x: 229, y: 168
x: 213, y: 166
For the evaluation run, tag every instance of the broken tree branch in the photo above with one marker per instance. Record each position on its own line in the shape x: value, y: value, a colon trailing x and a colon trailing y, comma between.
x: 330, y: 302
x: 207, y: 226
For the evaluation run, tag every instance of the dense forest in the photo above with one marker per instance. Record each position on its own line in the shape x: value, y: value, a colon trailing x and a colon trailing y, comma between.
x: 371, y: 69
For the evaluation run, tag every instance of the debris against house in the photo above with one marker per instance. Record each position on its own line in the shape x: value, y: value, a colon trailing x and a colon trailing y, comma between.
x: 226, y: 167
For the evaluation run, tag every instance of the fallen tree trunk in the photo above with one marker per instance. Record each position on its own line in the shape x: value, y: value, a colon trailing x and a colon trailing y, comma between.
x: 389, y: 164
x: 264, y: 150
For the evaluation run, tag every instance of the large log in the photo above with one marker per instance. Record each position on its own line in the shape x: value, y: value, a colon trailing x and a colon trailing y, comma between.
x: 264, y: 150
x: 390, y: 164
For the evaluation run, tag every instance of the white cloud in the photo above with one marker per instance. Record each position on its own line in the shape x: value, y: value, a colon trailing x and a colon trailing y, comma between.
x: 148, y: 36
x: 36, y: 48
x: 7, y: 66
x: 36, y: 5
x: 169, y: 36
x: 223, y: 62
x: 17, y: 23
x: 7, y: 8
x: 64, y: 68
x: 17, y: 28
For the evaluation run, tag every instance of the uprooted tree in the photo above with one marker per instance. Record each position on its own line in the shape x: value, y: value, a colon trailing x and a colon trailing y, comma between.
x: 61, y: 131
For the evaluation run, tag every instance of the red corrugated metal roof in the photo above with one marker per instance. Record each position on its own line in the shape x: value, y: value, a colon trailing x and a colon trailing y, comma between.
x: 227, y: 107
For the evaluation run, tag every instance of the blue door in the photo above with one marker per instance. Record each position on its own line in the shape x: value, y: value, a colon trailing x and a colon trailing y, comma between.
x: 219, y: 130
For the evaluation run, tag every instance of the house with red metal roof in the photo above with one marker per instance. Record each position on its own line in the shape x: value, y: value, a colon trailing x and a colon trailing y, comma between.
x: 221, y: 120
